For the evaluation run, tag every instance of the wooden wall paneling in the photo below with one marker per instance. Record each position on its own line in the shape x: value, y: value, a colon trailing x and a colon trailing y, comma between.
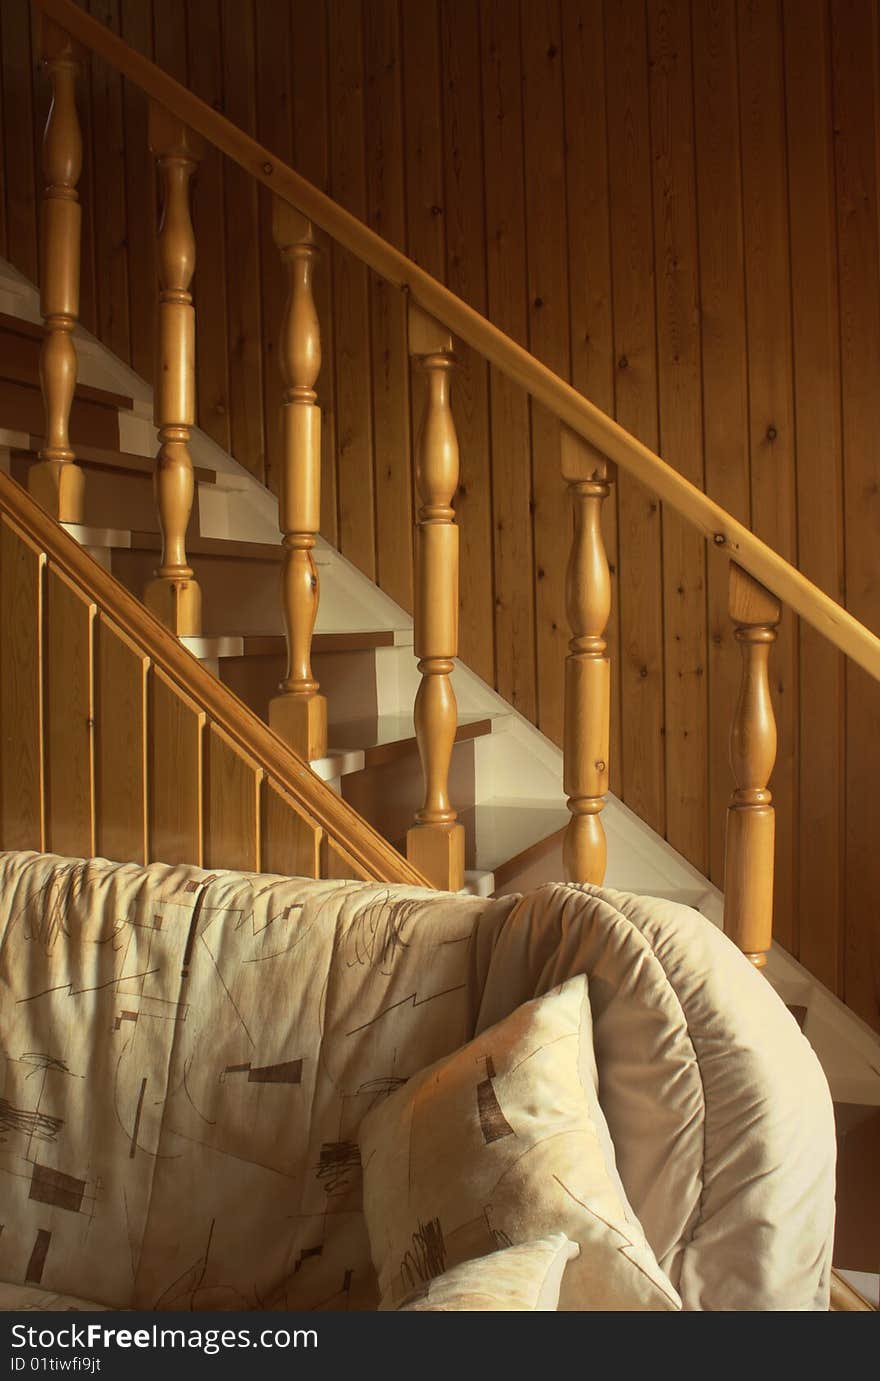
x: 136, y: 27
x: 311, y: 125
x: 589, y: 271
x: 88, y: 264
x: 822, y: 756
x: 108, y: 156
x: 274, y: 129
x: 174, y: 773
x: 70, y: 718
x: 771, y: 413
x: 232, y: 805
x: 676, y: 257
x: 120, y: 745
x: 547, y: 290
x: 337, y: 864
x: 351, y: 299
x: 465, y: 223
x: 724, y: 372
x: 22, y: 802
x: 41, y: 100
x: 291, y: 842
x: 506, y: 293
x: 423, y: 162
x: 856, y: 97
x: 4, y: 185
x: 20, y: 168
x: 640, y: 543
x: 205, y: 66
x: 423, y: 151
x: 169, y: 37
x: 242, y: 245
x: 386, y: 210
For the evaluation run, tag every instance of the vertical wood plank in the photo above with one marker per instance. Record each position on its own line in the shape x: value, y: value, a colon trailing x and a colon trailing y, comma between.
x: 681, y: 424
x: 311, y: 122
x: 232, y: 806
x: 108, y: 157
x: 423, y: 156
x: 242, y: 245
x: 771, y: 411
x: 174, y: 773
x: 640, y: 581
x: 205, y: 63
x: 4, y: 180
x: 136, y: 26
x: 273, y: 49
x: 391, y: 374
x: 120, y: 746
x: 21, y: 692
x: 70, y: 716
x: 169, y: 37
x: 291, y: 843
x: 464, y: 180
x: 811, y: 192
x: 506, y: 289
x: 423, y: 151
x: 351, y: 303
x: 856, y: 98
x: 88, y: 274
x: 21, y: 185
x: 547, y: 287
x: 724, y: 373
x: 589, y: 280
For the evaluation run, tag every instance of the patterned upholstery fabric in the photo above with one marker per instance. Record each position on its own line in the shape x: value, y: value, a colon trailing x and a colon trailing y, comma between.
x: 187, y: 1058
x: 498, y: 1144
x: 525, y: 1278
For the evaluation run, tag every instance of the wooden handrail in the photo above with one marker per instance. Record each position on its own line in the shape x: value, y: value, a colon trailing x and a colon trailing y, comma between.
x: 326, y: 808
x: 718, y: 527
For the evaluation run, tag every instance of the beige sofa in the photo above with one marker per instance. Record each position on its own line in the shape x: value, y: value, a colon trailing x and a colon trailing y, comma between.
x: 188, y: 1057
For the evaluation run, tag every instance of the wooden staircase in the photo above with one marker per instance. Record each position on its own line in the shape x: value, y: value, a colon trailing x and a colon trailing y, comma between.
x: 371, y: 756
x: 410, y: 775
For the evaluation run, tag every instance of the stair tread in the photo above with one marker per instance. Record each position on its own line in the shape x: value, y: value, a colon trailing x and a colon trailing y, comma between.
x: 337, y: 640
x: 382, y: 738
x: 508, y: 827
x: 114, y: 460
x: 216, y: 645
x: 20, y: 343
x: 213, y: 546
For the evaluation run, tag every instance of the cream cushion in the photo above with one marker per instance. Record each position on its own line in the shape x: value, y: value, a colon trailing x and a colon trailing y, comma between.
x: 718, y: 1109
x: 524, y: 1278
x: 498, y: 1144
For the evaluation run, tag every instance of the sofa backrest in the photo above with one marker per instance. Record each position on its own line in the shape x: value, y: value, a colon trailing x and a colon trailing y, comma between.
x: 188, y: 1056
x: 187, y: 1059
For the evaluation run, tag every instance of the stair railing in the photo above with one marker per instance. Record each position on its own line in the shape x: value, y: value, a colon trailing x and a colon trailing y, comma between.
x: 592, y: 445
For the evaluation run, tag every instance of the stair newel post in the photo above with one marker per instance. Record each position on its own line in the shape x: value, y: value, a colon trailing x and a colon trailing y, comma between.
x: 748, y: 861
x: 435, y: 843
x: 587, y: 666
x: 56, y: 481
x: 174, y: 595
x: 298, y: 714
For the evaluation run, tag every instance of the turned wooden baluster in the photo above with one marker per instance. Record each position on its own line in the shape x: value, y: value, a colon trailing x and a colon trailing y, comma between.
x: 299, y: 714
x: 587, y: 668
x: 174, y: 596
x: 435, y: 843
x: 56, y: 481
x: 748, y: 862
